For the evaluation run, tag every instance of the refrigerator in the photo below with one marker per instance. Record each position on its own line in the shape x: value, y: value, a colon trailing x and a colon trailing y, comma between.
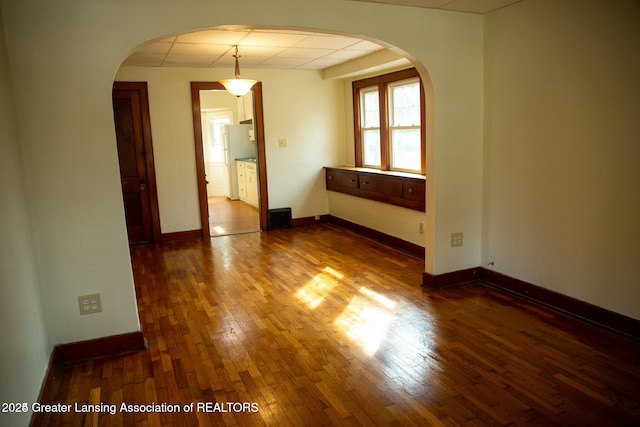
x: 237, y: 145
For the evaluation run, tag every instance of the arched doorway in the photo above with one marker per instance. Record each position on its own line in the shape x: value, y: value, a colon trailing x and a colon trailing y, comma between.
x: 282, y: 193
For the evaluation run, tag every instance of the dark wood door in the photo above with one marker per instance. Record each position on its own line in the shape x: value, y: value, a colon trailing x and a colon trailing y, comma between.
x: 130, y: 112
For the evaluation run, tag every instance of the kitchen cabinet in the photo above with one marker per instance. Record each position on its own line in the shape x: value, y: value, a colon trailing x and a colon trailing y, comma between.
x: 247, y: 182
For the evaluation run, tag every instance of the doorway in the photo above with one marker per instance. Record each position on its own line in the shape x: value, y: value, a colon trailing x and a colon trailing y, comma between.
x: 227, y: 135
x: 222, y: 123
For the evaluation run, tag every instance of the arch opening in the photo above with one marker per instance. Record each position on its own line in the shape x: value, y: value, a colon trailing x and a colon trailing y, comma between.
x: 390, y: 55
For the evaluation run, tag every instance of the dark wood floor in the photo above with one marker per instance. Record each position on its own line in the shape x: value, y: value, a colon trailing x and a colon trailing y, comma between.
x: 318, y: 326
x: 232, y: 217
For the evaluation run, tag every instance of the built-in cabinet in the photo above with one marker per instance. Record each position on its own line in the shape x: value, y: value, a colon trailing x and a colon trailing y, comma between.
x: 396, y: 188
x: 247, y: 182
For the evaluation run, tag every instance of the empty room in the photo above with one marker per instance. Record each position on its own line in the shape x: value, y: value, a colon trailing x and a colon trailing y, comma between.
x: 414, y: 213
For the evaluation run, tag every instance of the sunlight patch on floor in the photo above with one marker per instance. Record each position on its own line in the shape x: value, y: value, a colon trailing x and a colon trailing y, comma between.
x: 366, y: 319
x: 316, y: 290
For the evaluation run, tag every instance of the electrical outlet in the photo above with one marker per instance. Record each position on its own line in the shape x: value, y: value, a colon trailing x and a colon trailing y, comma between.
x: 282, y: 142
x: 90, y: 304
x: 456, y: 240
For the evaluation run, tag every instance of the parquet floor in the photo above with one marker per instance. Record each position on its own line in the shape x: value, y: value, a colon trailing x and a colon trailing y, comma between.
x: 317, y: 326
x: 232, y: 216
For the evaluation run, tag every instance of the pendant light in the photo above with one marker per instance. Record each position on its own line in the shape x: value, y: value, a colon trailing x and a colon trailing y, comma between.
x: 238, y: 86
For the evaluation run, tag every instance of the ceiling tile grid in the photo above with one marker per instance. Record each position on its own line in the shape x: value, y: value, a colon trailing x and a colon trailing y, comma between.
x: 281, y: 49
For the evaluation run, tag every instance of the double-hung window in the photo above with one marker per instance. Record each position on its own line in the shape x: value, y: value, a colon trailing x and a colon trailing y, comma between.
x: 389, y: 122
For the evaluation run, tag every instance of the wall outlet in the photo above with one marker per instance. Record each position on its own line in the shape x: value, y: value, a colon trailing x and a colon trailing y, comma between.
x: 90, y: 304
x: 456, y: 240
x: 282, y: 142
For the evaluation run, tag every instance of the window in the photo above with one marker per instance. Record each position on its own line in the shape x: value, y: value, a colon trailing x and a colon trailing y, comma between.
x: 212, y: 129
x: 389, y: 122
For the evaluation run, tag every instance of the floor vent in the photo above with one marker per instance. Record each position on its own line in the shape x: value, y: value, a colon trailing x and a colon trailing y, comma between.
x: 279, y: 218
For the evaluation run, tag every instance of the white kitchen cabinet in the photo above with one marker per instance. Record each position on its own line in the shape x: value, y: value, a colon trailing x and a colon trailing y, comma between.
x: 247, y: 182
x: 252, y: 184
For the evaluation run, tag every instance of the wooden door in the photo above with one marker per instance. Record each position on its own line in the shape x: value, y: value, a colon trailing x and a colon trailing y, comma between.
x: 133, y: 135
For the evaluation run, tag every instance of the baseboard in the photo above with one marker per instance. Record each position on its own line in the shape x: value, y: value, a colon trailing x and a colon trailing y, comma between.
x: 83, y: 350
x: 599, y: 316
x: 181, y: 235
x: 310, y: 220
x: 448, y: 280
x: 573, y: 307
x: 100, y: 347
x: 392, y: 241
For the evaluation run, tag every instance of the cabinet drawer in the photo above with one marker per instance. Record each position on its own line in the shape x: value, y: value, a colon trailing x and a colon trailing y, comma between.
x: 339, y: 180
x: 388, y: 186
x: 399, y: 189
x: 413, y: 190
x: 240, y: 165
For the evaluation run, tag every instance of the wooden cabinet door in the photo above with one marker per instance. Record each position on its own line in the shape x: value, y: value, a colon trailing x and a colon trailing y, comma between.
x: 133, y: 155
x: 252, y: 186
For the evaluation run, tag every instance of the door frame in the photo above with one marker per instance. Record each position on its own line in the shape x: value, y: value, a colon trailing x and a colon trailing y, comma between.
x: 261, y: 157
x: 152, y: 189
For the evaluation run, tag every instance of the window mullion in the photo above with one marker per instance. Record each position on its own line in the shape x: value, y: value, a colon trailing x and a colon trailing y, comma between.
x: 385, y: 158
x: 358, y: 126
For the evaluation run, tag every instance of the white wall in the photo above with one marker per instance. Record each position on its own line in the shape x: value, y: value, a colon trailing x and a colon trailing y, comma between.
x: 562, y: 148
x: 25, y: 351
x: 392, y: 220
x: 298, y: 106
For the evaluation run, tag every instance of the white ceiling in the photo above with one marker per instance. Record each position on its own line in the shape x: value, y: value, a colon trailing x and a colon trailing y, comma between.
x: 280, y: 49
x: 257, y: 49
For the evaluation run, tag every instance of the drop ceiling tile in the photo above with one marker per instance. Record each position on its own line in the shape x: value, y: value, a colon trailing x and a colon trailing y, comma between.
x: 189, y: 59
x: 345, y: 55
x: 365, y: 46
x: 184, y: 64
x: 223, y: 37
x: 283, y: 62
x: 158, y: 47
x: 295, y: 52
x: 320, y: 64
x: 272, y: 39
x: 248, y: 62
x: 249, y: 51
x: 144, y: 60
x: 198, y: 49
x: 327, y: 42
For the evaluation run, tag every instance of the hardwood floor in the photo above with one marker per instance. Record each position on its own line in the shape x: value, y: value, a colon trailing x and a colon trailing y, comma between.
x: 232, y: 217
x: 317, y: 326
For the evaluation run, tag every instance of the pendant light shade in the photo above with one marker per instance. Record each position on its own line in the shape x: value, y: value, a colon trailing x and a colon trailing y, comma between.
x: 237, y: 86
